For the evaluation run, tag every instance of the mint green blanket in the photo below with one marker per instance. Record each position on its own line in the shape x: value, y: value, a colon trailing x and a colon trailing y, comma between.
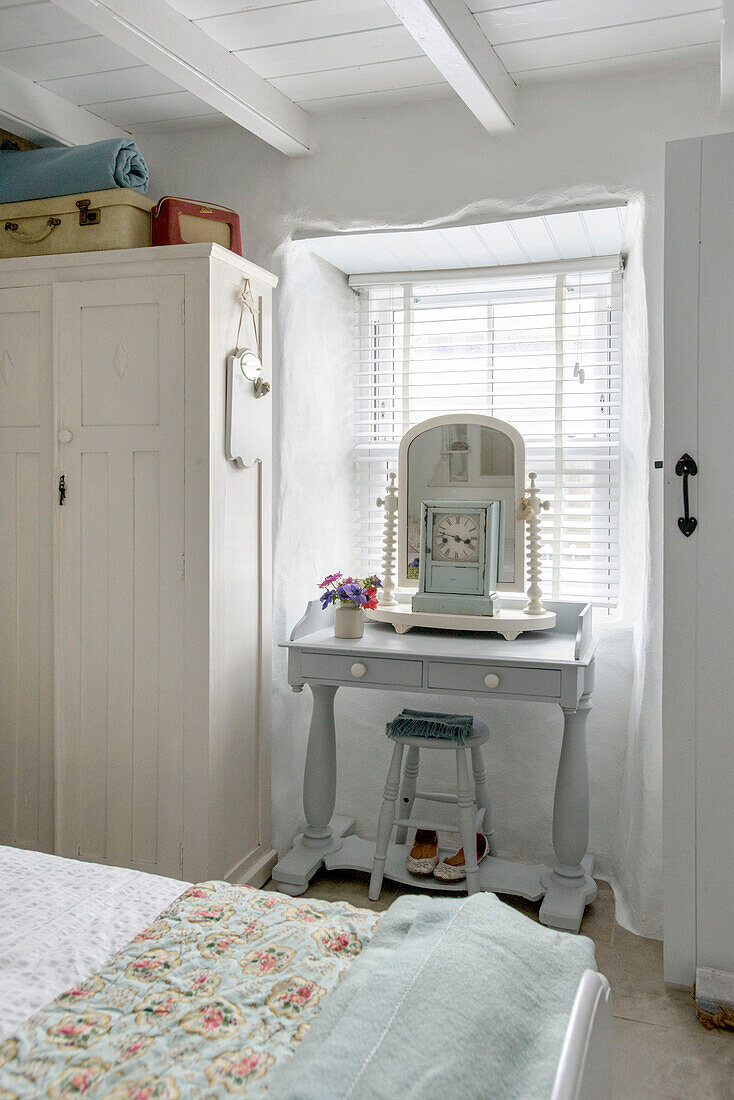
x: 455, y: 998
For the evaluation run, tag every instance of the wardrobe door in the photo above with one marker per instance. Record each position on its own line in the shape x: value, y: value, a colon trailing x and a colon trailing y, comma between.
x: 120, y: 587
x: 26, y: 540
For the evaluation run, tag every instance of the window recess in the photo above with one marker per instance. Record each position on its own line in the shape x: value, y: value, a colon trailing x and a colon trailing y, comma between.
x: 540, y: 347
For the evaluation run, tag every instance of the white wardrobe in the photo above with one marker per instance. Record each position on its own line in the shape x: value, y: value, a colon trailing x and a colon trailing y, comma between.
x: 134, y: 564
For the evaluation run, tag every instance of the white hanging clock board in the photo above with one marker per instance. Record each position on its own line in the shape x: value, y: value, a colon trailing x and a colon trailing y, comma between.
x: 247, y: 428
x: 508, y: 622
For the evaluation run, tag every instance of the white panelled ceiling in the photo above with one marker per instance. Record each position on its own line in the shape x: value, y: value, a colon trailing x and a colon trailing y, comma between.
x: 327, y: 53
x: 550, y: 38
x: 50, y: 47
x: 567, y: 236
x: 320, y: 52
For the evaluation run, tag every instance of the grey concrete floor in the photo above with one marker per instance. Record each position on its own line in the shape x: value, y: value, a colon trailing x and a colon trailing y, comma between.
x: 661, y: 1051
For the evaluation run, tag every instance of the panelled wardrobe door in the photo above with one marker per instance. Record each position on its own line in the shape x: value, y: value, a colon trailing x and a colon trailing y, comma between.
x: 120, y: 587
x: 27, y: 501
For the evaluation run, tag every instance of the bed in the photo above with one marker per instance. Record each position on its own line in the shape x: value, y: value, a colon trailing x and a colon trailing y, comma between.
x: 128, y: 986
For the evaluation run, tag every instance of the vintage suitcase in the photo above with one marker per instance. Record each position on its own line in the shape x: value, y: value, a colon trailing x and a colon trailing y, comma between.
x: 185, y: 221
x: 118, y: 218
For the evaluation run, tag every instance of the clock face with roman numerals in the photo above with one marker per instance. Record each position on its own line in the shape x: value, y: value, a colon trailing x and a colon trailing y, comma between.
x: 455, y: 538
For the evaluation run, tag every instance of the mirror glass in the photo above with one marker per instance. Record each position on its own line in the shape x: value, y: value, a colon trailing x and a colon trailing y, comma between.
x: 462, y: 462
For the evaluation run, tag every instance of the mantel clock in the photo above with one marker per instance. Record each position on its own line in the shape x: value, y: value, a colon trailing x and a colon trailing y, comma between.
x: 458, y: 558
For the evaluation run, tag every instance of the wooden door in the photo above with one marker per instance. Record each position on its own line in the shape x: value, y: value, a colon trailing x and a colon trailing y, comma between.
x: 26, y: 540
x: 120, y: 586
x: 698, y: 682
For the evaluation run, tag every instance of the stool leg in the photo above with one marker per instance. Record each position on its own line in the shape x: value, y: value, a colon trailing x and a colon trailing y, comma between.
x: 407, y: 790
x: 481, y: 793
x: 467, y: 820
x: 384, y: 826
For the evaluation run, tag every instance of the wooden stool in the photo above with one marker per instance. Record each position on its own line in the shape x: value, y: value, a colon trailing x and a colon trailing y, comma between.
x: 469, y: 801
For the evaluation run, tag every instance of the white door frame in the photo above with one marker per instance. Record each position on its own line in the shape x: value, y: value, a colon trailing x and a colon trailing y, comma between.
x: 682, y: 211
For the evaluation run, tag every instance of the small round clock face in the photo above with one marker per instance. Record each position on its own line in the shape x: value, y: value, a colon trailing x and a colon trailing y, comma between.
x: 456, y: 538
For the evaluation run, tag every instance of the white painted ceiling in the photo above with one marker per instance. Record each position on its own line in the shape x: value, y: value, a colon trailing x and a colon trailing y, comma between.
x: 567, y: 236
x: 335, y: 53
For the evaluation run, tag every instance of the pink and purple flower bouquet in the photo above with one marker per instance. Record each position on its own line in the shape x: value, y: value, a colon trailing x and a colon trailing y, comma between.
x: 362, y: 592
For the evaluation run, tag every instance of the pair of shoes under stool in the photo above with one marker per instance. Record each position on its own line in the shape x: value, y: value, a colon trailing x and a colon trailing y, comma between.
x: 423, y: 857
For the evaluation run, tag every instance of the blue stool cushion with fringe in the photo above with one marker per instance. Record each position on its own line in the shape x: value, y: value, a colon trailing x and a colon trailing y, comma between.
x: 431, y: 724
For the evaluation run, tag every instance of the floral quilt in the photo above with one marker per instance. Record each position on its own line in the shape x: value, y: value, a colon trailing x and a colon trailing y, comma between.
x: 218, y: 991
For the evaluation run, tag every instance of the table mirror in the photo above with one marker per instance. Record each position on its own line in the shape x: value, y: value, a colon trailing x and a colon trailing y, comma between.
x: 462, y: 457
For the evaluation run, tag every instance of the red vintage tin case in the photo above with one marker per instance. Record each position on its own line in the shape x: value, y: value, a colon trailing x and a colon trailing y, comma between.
x: 185, y: 221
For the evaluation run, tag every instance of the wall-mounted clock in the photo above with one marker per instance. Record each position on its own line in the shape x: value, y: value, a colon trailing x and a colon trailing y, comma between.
x: 459, y: 557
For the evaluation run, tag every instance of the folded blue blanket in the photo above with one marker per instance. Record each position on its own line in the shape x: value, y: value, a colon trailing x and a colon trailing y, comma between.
x: 452, y: 998
x: 428, y: 723
x: 45, y: 173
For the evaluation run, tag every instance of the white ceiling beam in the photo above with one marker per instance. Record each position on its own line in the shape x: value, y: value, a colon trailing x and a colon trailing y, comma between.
x: 168, y: 42
x: 40, y: 116
x: 450, y: 36
x: 727, y: 55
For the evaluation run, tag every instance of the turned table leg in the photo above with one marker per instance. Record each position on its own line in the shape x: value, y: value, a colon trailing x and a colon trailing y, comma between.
x: 319, y: 776
x: 569, y: 884
x: 293, y: 872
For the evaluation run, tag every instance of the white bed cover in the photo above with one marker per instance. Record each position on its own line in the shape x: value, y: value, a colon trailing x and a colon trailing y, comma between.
x: 60, y: 919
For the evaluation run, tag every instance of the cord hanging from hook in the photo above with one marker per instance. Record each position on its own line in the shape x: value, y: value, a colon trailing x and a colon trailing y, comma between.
x: 247, y: 303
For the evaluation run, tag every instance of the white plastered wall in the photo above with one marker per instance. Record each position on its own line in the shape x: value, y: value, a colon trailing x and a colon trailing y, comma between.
x: 581, y: 142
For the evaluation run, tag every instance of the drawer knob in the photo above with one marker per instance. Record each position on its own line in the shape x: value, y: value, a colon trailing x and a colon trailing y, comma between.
x: 358, y: 670
x: 491, y: 680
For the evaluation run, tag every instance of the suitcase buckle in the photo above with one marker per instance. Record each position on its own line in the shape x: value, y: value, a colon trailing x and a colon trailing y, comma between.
x: 87, y: 216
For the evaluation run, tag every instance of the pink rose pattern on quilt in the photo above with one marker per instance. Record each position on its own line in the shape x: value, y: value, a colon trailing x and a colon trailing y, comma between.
x: 205, y: 1003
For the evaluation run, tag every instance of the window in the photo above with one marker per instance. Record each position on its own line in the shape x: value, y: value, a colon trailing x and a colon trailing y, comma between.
x: 541, y: 351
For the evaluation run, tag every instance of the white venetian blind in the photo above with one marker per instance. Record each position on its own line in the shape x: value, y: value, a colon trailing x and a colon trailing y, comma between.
x: 541, y: 351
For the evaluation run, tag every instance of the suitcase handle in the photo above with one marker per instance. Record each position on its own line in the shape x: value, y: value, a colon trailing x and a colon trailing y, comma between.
x: 32, y: 238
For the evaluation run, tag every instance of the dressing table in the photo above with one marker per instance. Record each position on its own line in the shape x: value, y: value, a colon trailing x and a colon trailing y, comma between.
x: 475, y: 458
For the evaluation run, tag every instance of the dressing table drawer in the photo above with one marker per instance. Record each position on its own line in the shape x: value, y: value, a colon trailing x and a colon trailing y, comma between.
x: 485, y: 678
x: 364, y: 670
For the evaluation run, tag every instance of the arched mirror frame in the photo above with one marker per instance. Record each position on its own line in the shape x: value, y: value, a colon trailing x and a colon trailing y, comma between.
x: 463, y: 418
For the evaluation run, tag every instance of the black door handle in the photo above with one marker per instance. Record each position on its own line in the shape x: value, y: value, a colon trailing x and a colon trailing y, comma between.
x: 686, y: 467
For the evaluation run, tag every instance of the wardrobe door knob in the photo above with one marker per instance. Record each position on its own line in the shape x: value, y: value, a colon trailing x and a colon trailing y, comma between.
x: 65, y: 436
x: 358, y: 670
x: 491, y: 681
